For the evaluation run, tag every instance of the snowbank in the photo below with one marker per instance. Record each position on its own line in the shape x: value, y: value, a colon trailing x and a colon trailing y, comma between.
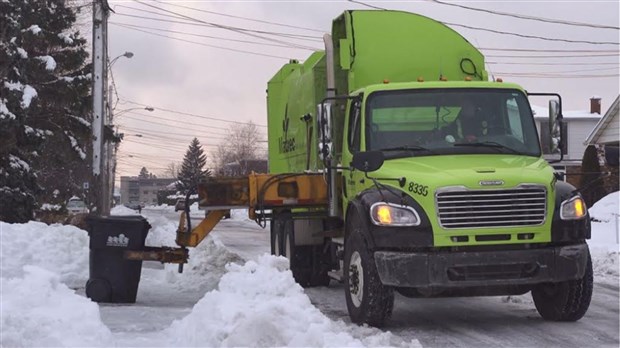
x: 56, y: 248
x: 39, y: 311
x: 605, y: 235
x: 259, y: 304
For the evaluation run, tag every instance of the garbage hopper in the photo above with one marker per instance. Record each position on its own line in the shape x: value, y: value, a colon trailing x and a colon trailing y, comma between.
x: 113, y: 278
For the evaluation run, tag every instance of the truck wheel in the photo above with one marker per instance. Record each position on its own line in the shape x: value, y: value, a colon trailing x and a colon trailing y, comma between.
x: 565, y: 301
x: 296, y: 255
x: 368, y: 300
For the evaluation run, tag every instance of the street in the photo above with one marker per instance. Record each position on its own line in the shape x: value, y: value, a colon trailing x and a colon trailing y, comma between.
x: 465, y: 322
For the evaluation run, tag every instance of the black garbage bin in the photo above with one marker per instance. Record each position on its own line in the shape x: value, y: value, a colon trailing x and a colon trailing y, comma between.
x: 112, y: 278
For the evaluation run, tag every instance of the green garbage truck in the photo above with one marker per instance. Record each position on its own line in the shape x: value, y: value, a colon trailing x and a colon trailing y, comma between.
x: 395, y: 165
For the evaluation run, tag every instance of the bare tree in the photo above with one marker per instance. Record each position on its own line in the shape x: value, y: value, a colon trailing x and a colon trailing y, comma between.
x: 243, y: 144
x: 172, y: 170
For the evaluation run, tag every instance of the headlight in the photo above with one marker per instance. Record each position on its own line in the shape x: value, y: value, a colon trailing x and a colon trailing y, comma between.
x: 573, y: 209
x: 389, y: 214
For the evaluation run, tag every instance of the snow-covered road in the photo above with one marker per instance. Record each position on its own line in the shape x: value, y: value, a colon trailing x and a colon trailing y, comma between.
x: 222, y: 299
x: 462, y: 322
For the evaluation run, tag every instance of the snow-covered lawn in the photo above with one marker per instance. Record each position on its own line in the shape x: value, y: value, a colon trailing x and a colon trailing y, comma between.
x: 241, y: 303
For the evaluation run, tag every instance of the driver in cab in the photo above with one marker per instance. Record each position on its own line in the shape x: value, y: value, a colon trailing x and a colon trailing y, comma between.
x: 468, y: 126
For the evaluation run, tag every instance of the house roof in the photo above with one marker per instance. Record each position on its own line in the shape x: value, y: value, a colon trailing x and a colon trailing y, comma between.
x: 543, y: 113
x: 610, y: 115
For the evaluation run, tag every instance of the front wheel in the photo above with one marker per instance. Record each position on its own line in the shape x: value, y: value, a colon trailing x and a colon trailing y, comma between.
x: 565, y: 301
x: 368, y: 300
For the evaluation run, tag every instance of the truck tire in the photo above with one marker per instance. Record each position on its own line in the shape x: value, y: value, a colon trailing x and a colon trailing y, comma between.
x: 305, y: 260
x: 368, y: 300
x: 565, y: 301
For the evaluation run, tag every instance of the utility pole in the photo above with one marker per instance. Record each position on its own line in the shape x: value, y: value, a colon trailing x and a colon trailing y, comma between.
x: 101, y: 11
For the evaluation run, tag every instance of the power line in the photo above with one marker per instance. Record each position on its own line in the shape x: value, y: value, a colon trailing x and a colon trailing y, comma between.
x: 244, y: 31
x: 170, y: 125
x: 288, y: 36
x: 245, y: 18
x: 193, y: 115
x: 533, y: 18
x: 211, y: 37
x: 510, y: 33
x: 532, y: 36
x: 551, y: 76
x: 529, y: 63
x: 201, y: 43
x: 563, y: 72
x: 552, y: 56
x: 546, y: 50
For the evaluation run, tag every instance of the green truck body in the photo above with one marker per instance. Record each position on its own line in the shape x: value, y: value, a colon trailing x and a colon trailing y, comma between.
x: 443, y: 213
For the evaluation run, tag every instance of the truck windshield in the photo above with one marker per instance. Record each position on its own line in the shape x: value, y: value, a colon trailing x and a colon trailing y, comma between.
x: 451, y: 121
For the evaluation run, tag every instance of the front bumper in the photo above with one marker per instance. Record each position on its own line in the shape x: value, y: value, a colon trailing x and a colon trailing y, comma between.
x: 484, y: 268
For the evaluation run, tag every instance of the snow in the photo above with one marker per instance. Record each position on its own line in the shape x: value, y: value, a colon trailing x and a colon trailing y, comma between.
x: 38, y: 310
x: 50, y: 63
x: 18, y: 163
x: 4, y: 111
x: 76, y: 147
x: 66, y: 38
x: 29, y: 93
x: 246, y: 310
x: 35, y: 29
x: 239, y: 303
x: 56, y: 248
x: 22, y: 52
x: 50, y: 207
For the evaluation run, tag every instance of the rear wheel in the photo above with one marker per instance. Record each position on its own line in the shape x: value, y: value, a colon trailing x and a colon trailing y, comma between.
x: 565, y: 301
x: 368, y: 300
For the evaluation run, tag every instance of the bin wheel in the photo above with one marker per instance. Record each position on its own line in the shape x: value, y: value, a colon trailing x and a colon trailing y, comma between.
x: 99, y: 290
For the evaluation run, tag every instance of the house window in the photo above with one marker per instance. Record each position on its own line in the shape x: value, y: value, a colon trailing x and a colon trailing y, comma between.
x: 545, y: 142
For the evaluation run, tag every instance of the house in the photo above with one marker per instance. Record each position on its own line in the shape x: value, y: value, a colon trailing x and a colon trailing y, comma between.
x: 601, y: 157
x: 607, y: 130
x: 576, y: 127
x: 142, y: 190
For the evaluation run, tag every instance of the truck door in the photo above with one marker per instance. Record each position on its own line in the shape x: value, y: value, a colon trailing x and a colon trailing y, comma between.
x: 352, y: 145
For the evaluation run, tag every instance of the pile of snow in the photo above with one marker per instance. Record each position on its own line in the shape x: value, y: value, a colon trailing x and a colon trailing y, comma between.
x: 605, y: 236
x: 56, y: 248
x: 206, y: 266
x: 122, y: 210
x: 248, y: 310
x: 39, y: 311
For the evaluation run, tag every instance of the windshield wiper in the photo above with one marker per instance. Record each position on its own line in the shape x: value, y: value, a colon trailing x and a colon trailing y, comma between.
x: 407, y: 148
x: 489, y: 144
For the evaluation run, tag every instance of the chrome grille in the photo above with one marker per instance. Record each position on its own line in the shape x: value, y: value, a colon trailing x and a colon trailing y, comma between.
x: 462, y: 208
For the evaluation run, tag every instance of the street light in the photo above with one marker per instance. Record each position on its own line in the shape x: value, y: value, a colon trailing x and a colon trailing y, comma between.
x: 126, y: 55
x: 147, y: 108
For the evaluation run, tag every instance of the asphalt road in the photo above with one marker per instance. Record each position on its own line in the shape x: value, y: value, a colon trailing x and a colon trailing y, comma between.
x: 459, y: 322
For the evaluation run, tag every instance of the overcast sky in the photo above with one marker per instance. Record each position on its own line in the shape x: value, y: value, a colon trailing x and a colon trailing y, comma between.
x: 205, y: 80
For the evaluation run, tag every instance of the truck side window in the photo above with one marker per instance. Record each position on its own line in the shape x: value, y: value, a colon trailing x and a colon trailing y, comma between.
x: 354, y: 126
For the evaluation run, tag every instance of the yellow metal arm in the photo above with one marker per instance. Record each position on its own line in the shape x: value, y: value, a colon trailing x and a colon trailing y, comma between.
x: 199, y: 232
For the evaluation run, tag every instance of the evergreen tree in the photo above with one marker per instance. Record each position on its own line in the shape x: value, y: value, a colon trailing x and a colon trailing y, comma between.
x: 192, y: 171
x: 144, y: 173
x: 44, y: 106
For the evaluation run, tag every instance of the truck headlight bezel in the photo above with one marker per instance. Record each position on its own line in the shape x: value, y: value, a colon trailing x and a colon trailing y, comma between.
x: 397, y: 215
x: 573, y: 209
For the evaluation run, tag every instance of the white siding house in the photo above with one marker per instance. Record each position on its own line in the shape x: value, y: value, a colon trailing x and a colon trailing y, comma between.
x: 577, y: 126
x: 607, y: 131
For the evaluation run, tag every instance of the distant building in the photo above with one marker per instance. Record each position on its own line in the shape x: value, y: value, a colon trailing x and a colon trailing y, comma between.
x: 142, y: 190
x: 244, y: 167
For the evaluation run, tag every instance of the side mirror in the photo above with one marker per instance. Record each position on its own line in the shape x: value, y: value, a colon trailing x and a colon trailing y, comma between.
x: 368, y: 161
x: 555, y: 124
x: 324, y: 120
